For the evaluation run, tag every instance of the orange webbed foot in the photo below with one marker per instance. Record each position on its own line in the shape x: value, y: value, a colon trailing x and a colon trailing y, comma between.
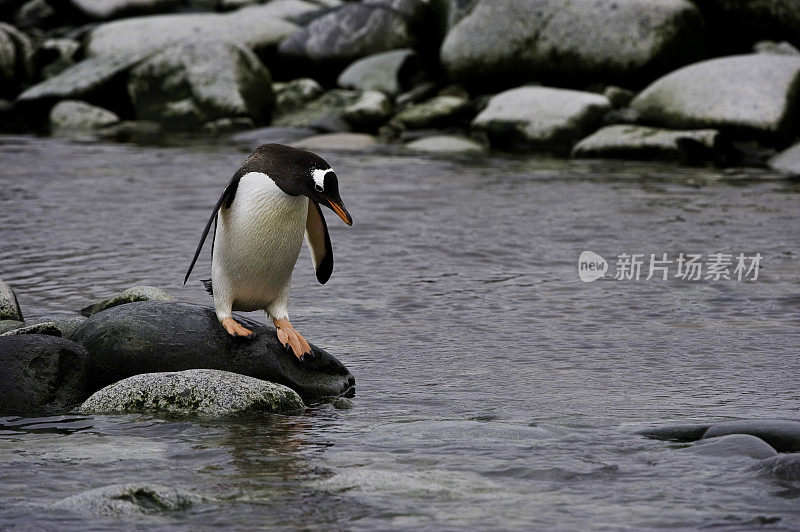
x: 289, y: 337
x: 235, y: 328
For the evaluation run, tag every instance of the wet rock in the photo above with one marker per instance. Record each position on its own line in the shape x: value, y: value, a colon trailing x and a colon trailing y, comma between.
x: 187, y: 85
x: 342, y: 403
x: 776, y: 48
x: 56, y: 55
x: 389, y: 72
x: 641, y: 142
x: 787, y: 161
x: 128, y: 499
x: 783, y: 435
x: 354, y: 31
x: 111, y: 9
x: 280, y: 135
x: 46, y: 327
x: 9, y: 306
x: 41, y: 373
x: 751, y: 95
x: 10, y: 325
x: 371, y: 109
x: 129, y: 295
x: 784, y: 467
x: 679, y: 433
x: 256, y: 28
x: 66, y: 325
x: 540, y: 117
x: 618, y: 96
x: 330, y: 104
x: 438, y: 112
x: 417, y: 93
x: 16, y: 60
x: 337, y: 141
x: 296, y: 93
x: 201, y: 393
x: 159, y: 336
x: 78, y: 115
x: 734, y: 445
x: 131, y: 130
x: 446, y: 144
x: 509, y: 42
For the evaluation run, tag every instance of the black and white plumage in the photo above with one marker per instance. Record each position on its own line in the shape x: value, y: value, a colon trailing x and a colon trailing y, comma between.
x: 266, y: 209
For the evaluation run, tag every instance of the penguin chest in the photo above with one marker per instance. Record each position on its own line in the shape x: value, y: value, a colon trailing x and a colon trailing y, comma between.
x: 257, y: 241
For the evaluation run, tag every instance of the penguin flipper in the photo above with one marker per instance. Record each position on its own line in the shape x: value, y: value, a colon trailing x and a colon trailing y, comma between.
x: 227, y: 197
x: 319, y: 242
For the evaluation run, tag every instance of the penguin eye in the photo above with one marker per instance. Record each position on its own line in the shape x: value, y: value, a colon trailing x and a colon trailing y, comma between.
x: 318, y: 187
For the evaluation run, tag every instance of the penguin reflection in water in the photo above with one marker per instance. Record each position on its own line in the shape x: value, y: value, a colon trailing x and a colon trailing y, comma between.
x: 261, y: 217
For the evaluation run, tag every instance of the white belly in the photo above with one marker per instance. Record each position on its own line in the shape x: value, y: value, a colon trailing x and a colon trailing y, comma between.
x: 256, y: 244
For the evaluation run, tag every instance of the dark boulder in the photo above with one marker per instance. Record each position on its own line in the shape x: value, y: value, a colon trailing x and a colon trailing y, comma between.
x: 161, y: 336
x: 41, y: 373
x: 782, y: 434
x: 680, y: 433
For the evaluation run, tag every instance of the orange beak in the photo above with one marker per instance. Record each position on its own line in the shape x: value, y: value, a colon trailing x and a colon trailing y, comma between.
x: 339, y: 209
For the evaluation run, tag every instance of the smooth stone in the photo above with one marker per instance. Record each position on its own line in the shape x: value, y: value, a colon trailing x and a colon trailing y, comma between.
x: 258, y: 28
x: 10, y: 325
x: 679, y: 433
x: 67, y: 325
x: 41, y: 373
x: 787, y: 161
x: 280, y: 135
x: 9, y: 306
x: 509, y: 42
x: 45, y: 327
x: 330, y: 104
x: 337, y: 141
x: 438, y: 112
x: 784, y: 467
x: 641, y: 142
x: 16, y: 60
x: 129, y: 295
x: 201, y: 393
x: 752, y: 94
x: 389, y: 72
x: 158, y: 336
x: 121, y: 500
x: 111, y: 9
x: 777, y: 48
x: 78, y: 115
x: 446, y: 144
x: 371, y: 109
x: 540, y: 117
x: 734, y: 445
x: 293, y: 94
x: 783, y: 435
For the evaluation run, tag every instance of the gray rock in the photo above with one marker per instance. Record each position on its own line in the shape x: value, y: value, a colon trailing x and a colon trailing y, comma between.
x: 438, y: 112
x: 257, y: 28
x: 734, y: 445
x: 16, y: 60
x: 132, y: 130
x: 540, y: 117
x: 446, y: 144
x: 342, y: 403
x: 417, y: 93
x: 129, y: 295
x: 371, y: 109
x: 508, y: 42
x: 111, y: 9
x: 679, y: 433
x: 187, y: 85
x: 121, y: 500
x: 280, y: 135
x: 198, y: 393
x: 67, y: 325
x: 784, y: 467
x: 41, y: 373
x: 354, y: 31
x: 10, y: 325
x: 618, y: 96
x: 389, y: 72
x: 776, y: 48
x: 787, y: 161
x: 641, y: 142
x: 330, y: 104
x: 783, y: 435
x: 158, y: 336
x: 746, y: 94
x: 9, y: 306
x: 56, y: 55
x: 337, y: 142
x: 78, y: 115
x: 293, y: 94
x: 46, y: 327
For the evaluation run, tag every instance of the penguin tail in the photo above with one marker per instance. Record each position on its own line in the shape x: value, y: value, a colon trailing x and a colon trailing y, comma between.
x: 207, y: 284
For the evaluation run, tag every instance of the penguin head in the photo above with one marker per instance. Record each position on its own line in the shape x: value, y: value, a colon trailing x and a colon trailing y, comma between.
x: 300, y: 172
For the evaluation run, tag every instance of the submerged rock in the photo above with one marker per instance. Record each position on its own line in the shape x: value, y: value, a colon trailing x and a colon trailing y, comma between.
x: 679, y: 433
x: 160, y: 336
x: 540, y: 117
x: 78, y: 115
x: 734, y: 445
x: 187, y: 85
x: 9, y: 306
x: 128, y: 499
x: 782, y: 434
x: 389, y: 72
x: 446, y: 144
x: 129, y: 295
x: 784, y: 467
x: 787, y: 161
x: 204, y: 393
x: 509, y: 42
x: 641, y: 142
x: 41, y: 373
x: 752, y: 94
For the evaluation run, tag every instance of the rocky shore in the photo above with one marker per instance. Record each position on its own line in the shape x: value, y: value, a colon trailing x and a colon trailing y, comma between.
x: 701, y: 82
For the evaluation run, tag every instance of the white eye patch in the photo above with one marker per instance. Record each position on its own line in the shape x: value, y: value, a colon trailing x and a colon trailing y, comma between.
x: 319, y: 178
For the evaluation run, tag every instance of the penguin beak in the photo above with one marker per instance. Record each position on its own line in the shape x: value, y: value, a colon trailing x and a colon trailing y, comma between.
x: 338, y: 208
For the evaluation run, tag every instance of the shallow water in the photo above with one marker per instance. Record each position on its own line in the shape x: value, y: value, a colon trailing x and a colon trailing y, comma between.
x: 494, y: 388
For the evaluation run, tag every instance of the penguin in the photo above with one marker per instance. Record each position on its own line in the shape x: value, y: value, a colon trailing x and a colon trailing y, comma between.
x: 270, y: 204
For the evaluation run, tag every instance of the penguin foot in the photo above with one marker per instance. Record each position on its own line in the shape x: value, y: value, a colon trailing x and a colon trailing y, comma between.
x: 289, y: 337
x: 235, y: 328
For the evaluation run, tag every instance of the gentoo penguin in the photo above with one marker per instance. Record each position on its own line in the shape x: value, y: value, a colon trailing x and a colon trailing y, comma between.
x: 261, y: 217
